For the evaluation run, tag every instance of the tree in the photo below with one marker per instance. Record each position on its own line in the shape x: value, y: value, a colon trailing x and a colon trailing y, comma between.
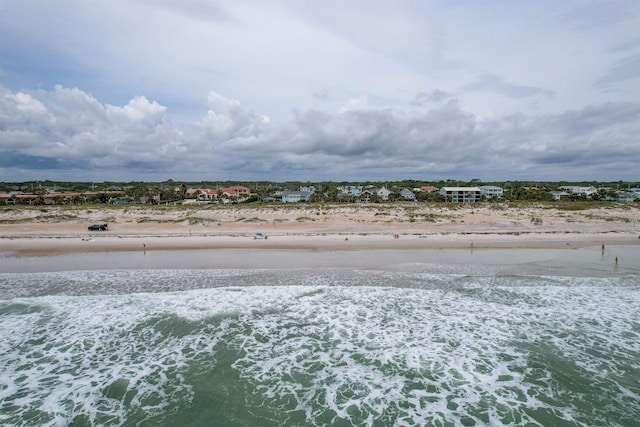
x: 332, y: 194
x: 394, y: 196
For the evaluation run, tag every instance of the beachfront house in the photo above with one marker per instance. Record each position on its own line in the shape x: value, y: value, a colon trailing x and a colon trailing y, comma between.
x: 461, y: 194
x: 582, y: 191
x: 238, y: 191
x: 350, y: 190
x: 408, y: 195
x: 302, y: 195
x: 491, y: 191
x: 122, y: 200
x: 559, y: 195
x: 296, y: 196
x: 206, y: 194
x: 383, y: 193
x: 367, y: 195
x: 627, y: 196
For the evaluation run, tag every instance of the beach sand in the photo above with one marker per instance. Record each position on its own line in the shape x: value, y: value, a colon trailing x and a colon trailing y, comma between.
x: 367, y: 236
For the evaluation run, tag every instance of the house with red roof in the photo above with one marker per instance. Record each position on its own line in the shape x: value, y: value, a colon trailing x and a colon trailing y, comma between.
x: 237, y: 191
x: 204, y: 194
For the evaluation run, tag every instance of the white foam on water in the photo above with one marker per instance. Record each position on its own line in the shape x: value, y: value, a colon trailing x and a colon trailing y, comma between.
x: 447, y: 354
x: 434, y: 349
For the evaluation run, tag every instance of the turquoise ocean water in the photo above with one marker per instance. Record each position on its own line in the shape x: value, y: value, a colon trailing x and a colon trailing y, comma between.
x: 333, y: 347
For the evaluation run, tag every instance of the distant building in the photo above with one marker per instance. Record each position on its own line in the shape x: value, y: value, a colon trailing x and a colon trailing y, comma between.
x: 122, y: 200
x: 461, y: 194
x: 583, y: 191
x: 627, y: 196
x: 351, y: 190
x: 407, y: 195
x: 296, y: 196
x: 205, y: 194
x: 559, y: 195
x: 191, y: 192
x: 491, y: 191
x: 237, y: 191
x: 302, y: 195
x: 383, y: 193
x: 367, y: 195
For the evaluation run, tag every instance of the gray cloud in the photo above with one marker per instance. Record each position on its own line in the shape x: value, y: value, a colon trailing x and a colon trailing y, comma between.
x: 47, y: 132
x: 383, y: 28
x: 209, y: 11
x: 321, y: 95
x: 491, y: 83
x: 275, y: 55
x: 594, y: 15
x: 626, y: 69
x: 433, y: 97
x: 369, y: 143
x: 628, y: 45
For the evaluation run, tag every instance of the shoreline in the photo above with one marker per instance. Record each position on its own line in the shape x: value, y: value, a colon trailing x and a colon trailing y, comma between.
x: 43, y: 245
x: 318, y: 237
x: 570, y: 255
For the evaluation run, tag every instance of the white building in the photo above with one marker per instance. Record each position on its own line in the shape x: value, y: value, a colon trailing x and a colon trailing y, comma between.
x: 584, y: 191
x: 461, y: 194
x: 559, y: 195
x: 351, y: 190
x: 383, y: 193
x: 308, y: 188
x: 491, y: 191
x: 295, y: 196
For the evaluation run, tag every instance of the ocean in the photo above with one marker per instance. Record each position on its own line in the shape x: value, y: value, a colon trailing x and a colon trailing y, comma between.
x: 318, y: 347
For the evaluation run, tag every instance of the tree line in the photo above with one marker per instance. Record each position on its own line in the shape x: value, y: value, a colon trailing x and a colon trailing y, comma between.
x: 325, y: 191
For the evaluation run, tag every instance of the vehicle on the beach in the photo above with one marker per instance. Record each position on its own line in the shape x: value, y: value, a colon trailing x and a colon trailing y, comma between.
x: 98, y: 227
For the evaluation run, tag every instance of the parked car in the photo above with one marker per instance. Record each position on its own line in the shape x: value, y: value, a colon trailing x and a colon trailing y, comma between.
x: 98, y: 227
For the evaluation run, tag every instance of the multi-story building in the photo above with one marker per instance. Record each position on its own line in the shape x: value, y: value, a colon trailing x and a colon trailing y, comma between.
x: 461, y: 194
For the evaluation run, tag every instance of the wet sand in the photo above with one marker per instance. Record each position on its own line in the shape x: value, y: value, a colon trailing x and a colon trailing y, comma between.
x: 485, y: 257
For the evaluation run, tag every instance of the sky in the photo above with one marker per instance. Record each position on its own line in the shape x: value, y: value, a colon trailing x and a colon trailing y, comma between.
x: 352, y: 90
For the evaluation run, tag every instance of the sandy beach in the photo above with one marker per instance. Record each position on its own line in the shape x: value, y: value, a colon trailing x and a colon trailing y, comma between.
x: 481, y: 305
x: 343, y: 229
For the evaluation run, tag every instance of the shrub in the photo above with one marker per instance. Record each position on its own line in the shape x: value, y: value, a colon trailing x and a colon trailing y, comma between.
x: 536, y: 220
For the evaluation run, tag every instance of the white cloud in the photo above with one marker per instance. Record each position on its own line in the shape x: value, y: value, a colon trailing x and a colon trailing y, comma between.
x: 71, y: 129
x: 434, y: 138
x: 227, y: 119
x: 328, y: 90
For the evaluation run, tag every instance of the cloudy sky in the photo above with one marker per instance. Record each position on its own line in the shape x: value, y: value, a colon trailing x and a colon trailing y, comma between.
x: 94, y: 90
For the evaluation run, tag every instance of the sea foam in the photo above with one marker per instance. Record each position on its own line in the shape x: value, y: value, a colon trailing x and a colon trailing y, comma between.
x: 340, y: 346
